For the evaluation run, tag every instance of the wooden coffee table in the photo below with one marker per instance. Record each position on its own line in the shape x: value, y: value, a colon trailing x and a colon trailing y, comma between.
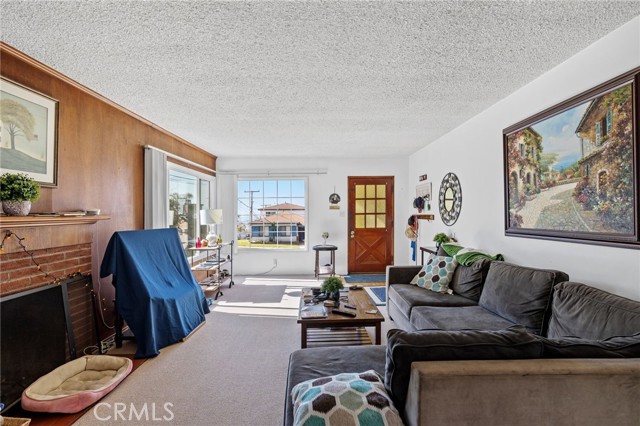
x: 358, y: 298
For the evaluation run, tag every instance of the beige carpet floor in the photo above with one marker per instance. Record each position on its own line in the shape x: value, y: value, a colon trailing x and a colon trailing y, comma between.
x: 231, y: 372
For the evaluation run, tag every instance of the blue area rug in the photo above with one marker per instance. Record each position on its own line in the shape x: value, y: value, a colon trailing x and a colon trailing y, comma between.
x: 365, y: 278
x: 378, y: 295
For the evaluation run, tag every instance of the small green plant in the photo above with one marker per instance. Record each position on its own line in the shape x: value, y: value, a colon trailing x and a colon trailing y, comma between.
x: 441, y: 238
x: 18, y: 187
x: 332, y: 284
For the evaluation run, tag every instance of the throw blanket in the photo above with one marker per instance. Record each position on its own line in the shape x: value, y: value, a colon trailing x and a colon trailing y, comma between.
x: 466, y: 256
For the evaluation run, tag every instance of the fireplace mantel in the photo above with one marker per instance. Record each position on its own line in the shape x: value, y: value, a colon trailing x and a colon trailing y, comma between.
x: 60, y: 244
x: 31, y: 221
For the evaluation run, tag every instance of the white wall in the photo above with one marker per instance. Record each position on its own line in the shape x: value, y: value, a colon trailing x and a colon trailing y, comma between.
x: 320, y: 218
x: 474, y: 152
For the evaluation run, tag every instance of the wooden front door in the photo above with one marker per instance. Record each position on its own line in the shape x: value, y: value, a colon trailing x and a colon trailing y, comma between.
x: 370, y: 223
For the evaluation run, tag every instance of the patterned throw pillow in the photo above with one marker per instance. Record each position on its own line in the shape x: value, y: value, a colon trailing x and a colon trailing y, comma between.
x: 436, y: 274
x: 345, y: 399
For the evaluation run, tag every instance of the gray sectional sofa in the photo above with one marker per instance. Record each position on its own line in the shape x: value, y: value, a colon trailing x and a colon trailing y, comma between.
x: 512, y: 346
x: 487, y: 295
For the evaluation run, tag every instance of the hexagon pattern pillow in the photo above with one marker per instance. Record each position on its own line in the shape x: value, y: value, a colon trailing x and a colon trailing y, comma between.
x: 348, y: 399
x: 436, y: 274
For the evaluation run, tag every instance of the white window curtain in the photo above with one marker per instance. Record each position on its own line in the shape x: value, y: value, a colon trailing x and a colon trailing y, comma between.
x: 156, y: 209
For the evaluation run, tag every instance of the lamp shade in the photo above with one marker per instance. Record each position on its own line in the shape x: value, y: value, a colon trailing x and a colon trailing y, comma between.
x: 211, y: 217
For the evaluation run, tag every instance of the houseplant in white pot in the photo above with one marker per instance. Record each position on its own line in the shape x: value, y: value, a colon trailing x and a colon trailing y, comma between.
x: 17, y: 191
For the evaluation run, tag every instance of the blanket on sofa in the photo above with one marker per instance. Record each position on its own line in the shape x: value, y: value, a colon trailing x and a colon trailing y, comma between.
x: 467, y: 255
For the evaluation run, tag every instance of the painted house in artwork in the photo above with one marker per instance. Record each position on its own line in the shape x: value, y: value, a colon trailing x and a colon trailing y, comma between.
x: 524, y: 165
x: 607, y: 187
x: 594, y: 131
x: 280, y: 223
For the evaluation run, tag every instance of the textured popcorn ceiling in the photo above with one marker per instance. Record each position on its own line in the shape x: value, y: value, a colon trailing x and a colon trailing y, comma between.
x: 282, y: 79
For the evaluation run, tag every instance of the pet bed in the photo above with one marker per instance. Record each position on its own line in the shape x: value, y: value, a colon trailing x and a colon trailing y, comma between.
x: 76, y: 385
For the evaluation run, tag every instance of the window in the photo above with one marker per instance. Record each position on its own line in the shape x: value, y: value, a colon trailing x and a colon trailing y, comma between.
x: 189, y: 192
x: 272, y: 213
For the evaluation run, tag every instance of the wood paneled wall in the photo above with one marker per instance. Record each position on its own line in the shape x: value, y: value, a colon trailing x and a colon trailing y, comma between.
x: 100, y: 153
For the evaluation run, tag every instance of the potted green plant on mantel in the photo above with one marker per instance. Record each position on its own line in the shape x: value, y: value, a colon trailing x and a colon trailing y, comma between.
x: 441, y: 238
x: 331, y: 287
x: 17, y: 191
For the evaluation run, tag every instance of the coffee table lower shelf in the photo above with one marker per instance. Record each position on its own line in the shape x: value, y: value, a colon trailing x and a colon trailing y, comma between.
x: 340, y: 336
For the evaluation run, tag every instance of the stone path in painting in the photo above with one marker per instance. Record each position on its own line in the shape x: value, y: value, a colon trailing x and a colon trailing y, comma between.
x: 548, y: 200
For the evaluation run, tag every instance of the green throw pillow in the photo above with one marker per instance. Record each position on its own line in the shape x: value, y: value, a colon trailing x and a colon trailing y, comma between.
x: 345, y: 399
x: 436, y: 274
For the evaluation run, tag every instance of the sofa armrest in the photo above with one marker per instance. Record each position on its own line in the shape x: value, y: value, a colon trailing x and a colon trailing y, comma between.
x: 588, y: 392
x: 401, y: 274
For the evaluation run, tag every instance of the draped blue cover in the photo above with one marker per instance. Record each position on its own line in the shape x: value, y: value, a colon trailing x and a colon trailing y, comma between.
x: 156, y: 293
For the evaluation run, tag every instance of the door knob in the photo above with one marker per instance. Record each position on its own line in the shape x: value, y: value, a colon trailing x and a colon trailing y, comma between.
x: 353, y: 234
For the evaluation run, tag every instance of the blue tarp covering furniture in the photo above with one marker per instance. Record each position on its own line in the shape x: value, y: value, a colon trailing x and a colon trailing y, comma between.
x: 156, y: 293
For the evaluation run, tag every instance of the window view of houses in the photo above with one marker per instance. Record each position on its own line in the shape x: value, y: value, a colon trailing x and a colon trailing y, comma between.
x: 188, y: 194
x: 574, y: 171
x: 271, y: 213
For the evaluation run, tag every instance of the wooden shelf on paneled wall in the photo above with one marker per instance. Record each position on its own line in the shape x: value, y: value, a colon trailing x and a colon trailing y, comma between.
x: 32, y: 220
x: 424, y: 216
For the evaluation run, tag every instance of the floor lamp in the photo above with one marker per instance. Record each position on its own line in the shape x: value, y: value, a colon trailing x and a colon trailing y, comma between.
x: 211, y: 217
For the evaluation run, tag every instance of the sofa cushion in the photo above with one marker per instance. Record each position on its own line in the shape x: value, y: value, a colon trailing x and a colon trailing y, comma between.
x: 436, y: 274
x: 305, y: 364
x: 456, y: 318
x: 520, y: 294
x: 582, y: 311
x: 574, y: 347
x: 408, y: 296
x: 344, y: 399
x: 404, y: 348
x: 467, y: 281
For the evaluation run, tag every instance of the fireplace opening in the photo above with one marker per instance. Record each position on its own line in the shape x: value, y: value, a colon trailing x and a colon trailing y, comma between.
x: 40, y: 330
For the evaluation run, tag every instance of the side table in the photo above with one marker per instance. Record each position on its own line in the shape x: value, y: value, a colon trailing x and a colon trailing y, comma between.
x: 430, y: 250
x: 329, y: 269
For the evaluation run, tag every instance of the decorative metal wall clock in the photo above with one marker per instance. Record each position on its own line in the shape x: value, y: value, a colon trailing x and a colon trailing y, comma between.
x: 450, y: 199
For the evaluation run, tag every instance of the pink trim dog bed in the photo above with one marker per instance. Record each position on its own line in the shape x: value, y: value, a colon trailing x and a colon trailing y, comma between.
x: 77, y: 384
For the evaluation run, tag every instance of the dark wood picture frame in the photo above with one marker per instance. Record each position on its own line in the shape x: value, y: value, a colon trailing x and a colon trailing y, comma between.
x: 28, y: 133
x: 571, y: 171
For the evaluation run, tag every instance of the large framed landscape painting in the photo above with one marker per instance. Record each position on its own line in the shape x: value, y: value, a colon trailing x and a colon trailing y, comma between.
x: 28, y: 127
x: 571, y: 172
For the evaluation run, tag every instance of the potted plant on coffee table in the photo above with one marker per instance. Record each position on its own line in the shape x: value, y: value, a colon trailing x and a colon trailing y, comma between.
x: 331, y: 287
x: 17, y: 191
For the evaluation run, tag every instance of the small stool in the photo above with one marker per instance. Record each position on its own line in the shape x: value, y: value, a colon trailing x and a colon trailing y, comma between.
x: 332, y: 266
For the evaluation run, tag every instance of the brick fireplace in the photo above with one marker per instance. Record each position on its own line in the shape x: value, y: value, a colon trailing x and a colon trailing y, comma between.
x: 61, y: 246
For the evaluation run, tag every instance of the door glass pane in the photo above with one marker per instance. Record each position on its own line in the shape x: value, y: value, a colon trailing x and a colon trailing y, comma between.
x: 371, y: 221
x: 359, y: 191
x: 381, y: 206
x: 371, y: 206
x: 371, y: 191
x: 382, y: 191
x: 359, y: 206
x: 359, y: 221
x: 380, y: 221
